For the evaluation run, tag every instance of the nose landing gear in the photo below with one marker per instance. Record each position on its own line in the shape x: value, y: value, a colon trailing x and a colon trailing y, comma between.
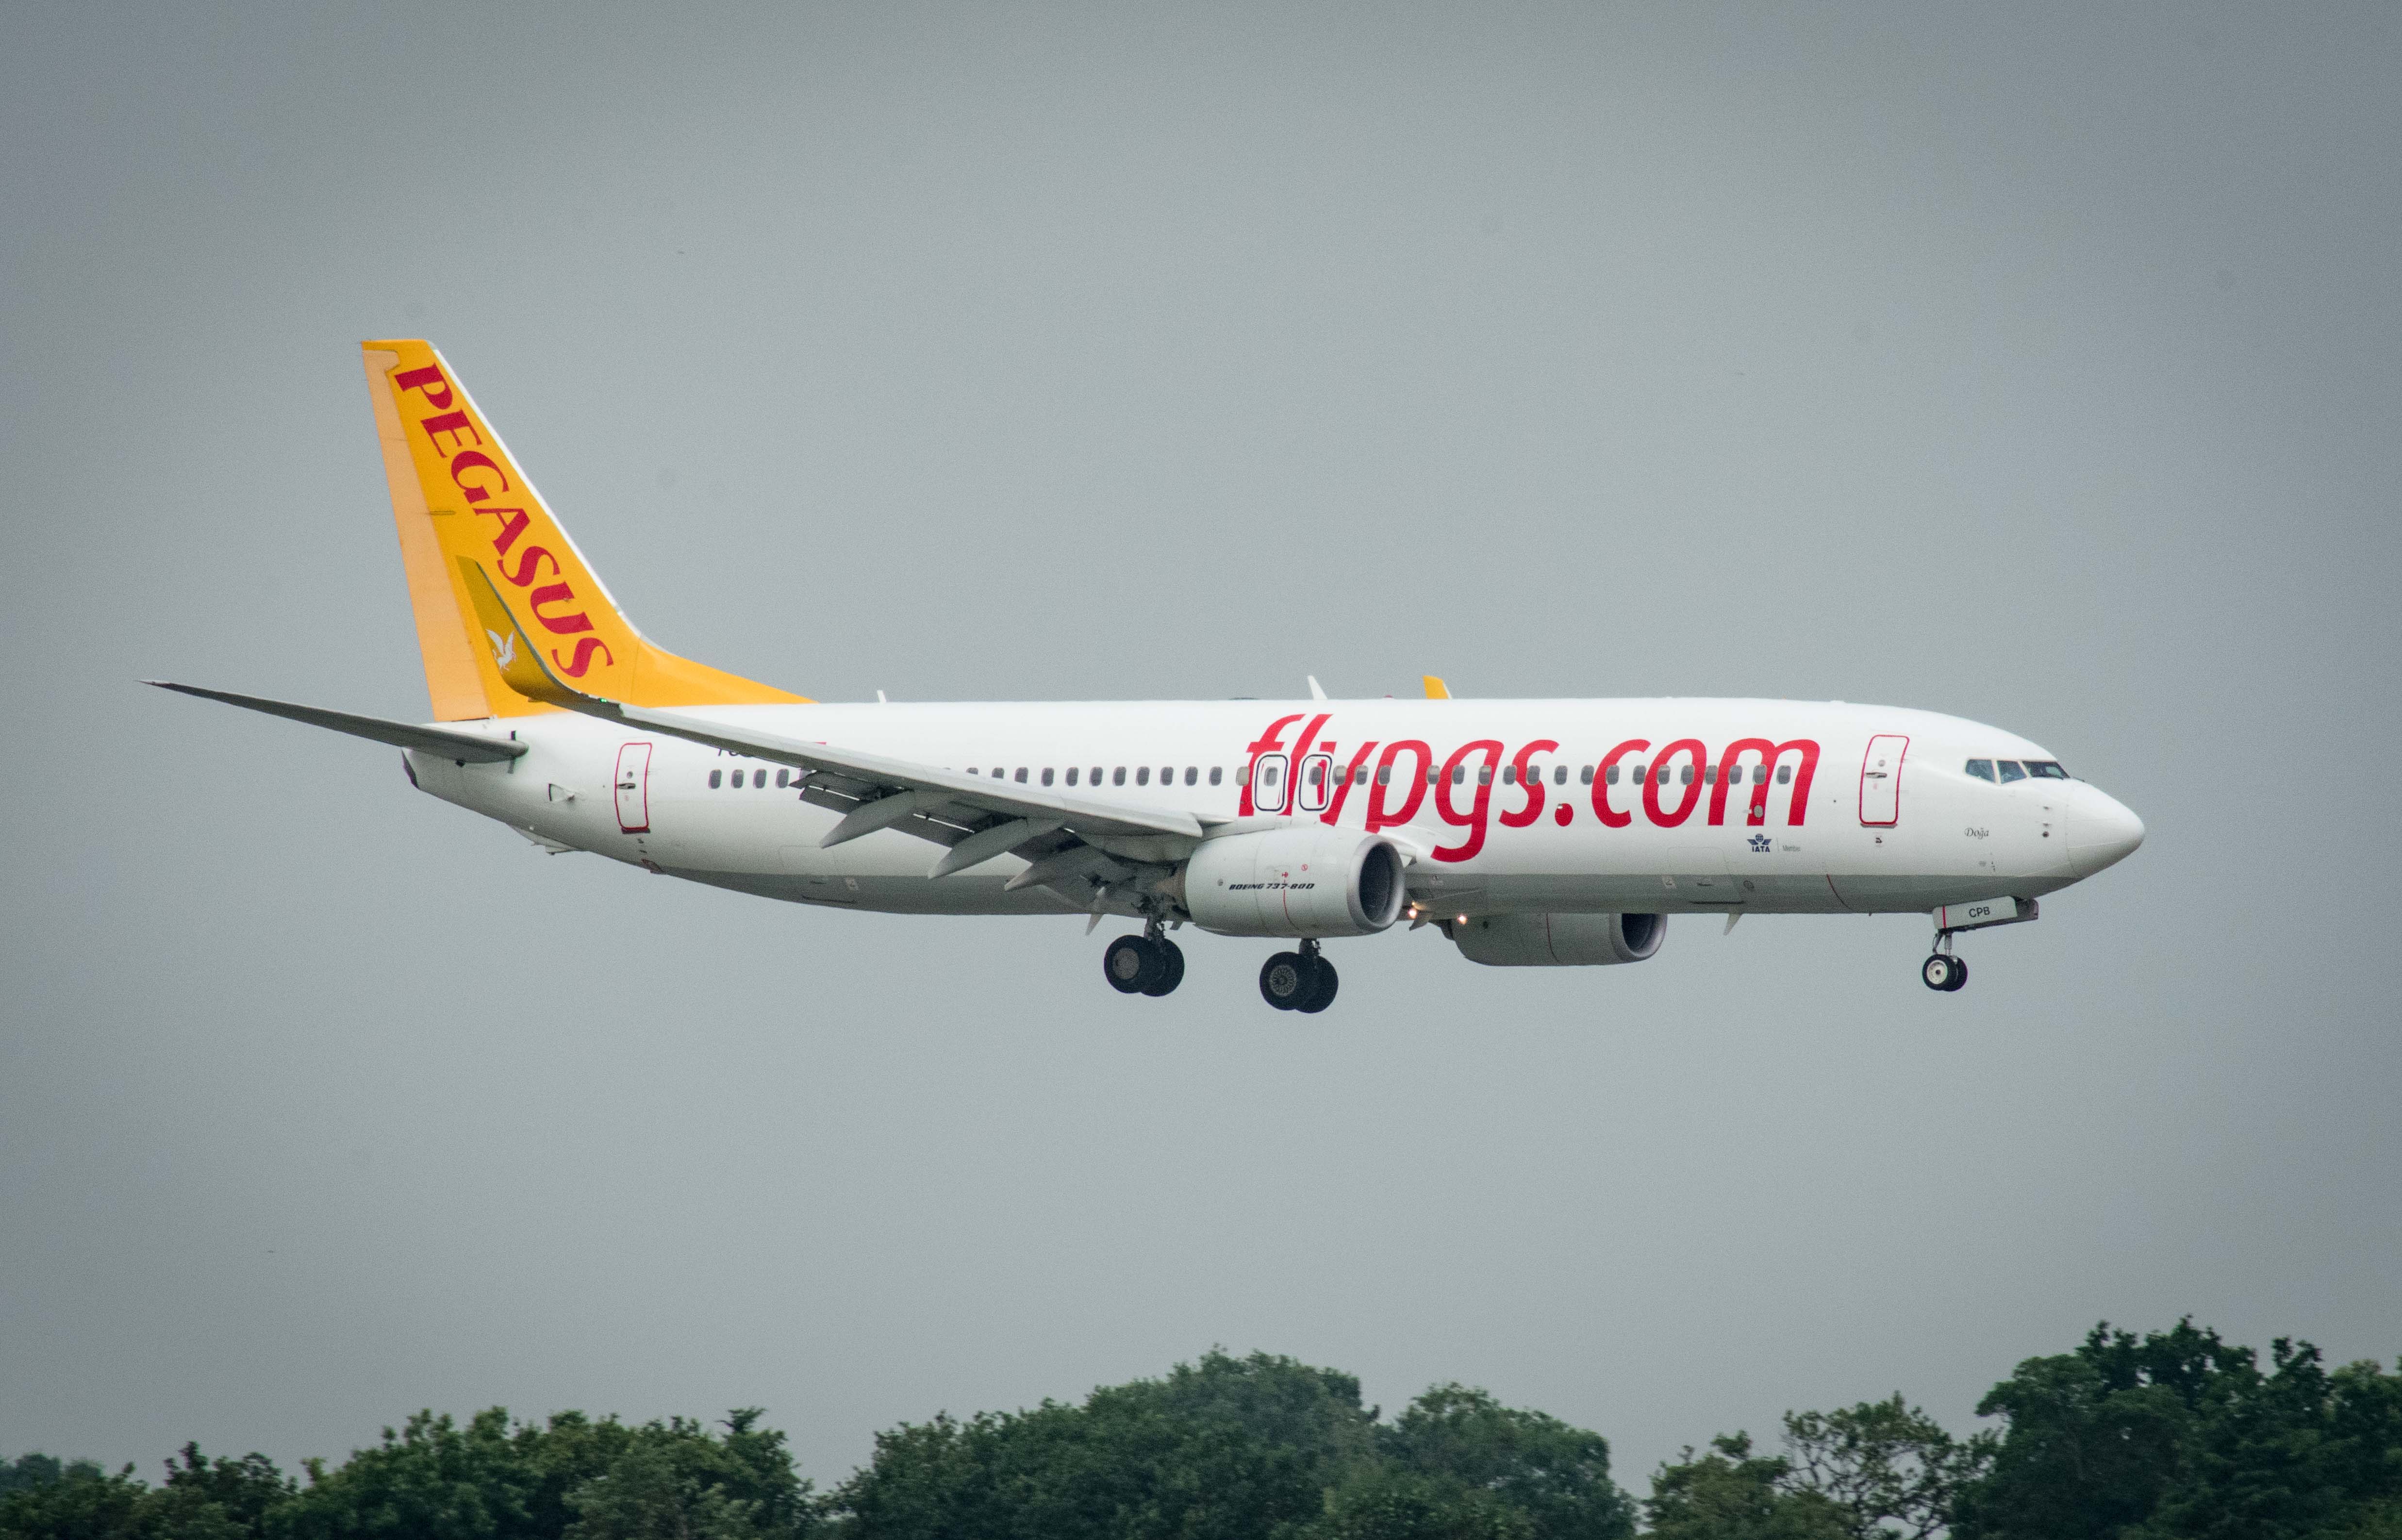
x: 1944, y: 972
x: 1299, y: 981
x: 1147, y: 964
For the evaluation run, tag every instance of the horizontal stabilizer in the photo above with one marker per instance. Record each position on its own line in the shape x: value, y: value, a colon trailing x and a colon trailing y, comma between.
x: 401, y: 735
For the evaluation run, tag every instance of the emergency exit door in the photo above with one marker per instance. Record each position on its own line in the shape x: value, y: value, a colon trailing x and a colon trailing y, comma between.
x: 1880, y: 781
x: 634, y: 788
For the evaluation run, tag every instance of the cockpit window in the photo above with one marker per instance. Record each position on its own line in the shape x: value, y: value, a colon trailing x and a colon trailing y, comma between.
x: 2011, y: 771
x: 1981, y: 769
x: 2046, y: 770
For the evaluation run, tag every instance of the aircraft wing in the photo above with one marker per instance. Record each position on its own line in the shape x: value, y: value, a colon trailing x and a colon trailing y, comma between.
x: 1076, y: 844
x: 466, y: 747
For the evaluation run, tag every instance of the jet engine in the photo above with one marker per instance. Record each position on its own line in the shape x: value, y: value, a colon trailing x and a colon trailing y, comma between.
x: 1558, y: 941
x: 1306, y: 880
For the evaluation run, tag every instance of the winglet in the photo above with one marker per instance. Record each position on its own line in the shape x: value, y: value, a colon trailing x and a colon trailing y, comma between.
x: 1316, y: 692
x: 514, y: 653
x: 1435, y: 688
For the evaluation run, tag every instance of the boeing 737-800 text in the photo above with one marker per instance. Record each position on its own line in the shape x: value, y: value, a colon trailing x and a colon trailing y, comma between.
x: 1532, y: 832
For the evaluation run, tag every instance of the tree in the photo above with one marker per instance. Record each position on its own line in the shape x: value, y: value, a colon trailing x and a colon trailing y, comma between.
x: 2180, y: 1436
x: 1889, y: 1469
x: 1463, y: 1464
x: 78, y: 1502
x: 1730, y: 1493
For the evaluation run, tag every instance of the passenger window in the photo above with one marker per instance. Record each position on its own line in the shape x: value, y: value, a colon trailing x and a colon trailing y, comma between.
x: 1633, y: 776
x: 2046, y: 770
x: 783, y: 779
x: 1384, y: 775
x: 1509, y: 775
x: 974, y: 771
x: 1784, y: 775
x: 2011, y: 771
x: 1191, y: 774
x: 1021, y: 775
x: 1242, y: 775
x: 716, y: 778
x: 998, y: 772
x: 1484, y: 775
x: 1046, y: 774
x: 1271, y: 774
x: 1433, y: 775
x: 1981, y: 769
x: 1167, y: 775
x: 1071, y: 774
x: 1560, y: 775
x: 1094, y: 779
x: 1760, y: 775
x: 1317, y: 772
x: 1460, y: 775
x: 1117, y: 776
x: 1215, y: 771
x: 1143, y: 775
x: 1684, y: 776
x: 759, y: 778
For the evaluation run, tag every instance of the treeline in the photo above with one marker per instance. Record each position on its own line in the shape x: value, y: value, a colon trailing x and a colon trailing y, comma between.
x: 2160, y: 1436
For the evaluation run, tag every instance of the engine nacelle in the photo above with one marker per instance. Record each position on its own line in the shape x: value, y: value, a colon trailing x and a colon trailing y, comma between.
x: 1558, y: 941
x: 1306, y: 880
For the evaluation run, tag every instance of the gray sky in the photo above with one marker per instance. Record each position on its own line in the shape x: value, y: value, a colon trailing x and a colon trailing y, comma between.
x: 2036, y: 365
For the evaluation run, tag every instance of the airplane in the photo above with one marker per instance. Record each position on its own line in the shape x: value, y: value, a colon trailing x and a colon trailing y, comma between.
x: 1527, y: 833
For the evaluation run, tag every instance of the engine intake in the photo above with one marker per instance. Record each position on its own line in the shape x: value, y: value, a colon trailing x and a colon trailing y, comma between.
x: 1307, y: 880
x: 1559, y: 940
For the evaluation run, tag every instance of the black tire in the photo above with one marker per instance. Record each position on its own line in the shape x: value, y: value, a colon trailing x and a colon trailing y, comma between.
x: 1133, y: 965
x: 1942, y: 974
x: 1959, y: 976
x: 1171, y: 972
x: 1322, y: 995
x: 1284, y: 980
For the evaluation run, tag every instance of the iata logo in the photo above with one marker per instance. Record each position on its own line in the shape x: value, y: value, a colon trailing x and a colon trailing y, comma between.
x: 1405, y: 776
x: 479, y: 479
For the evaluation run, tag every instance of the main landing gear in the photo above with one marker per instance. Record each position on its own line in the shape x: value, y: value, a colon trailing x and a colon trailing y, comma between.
x: 1147, y: 964
x: 1299, y: 981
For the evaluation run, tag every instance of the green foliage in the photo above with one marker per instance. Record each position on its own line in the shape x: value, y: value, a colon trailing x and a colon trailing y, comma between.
x: 2168, y: 1436
x: 1230, y: 1448
x: 1459, y: 1464
x: 1242, y: 1449
x: 2180, y: 1436
x: 1730, y: 1493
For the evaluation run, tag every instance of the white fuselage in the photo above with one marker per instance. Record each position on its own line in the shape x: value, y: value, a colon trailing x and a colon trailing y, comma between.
x: 1891, y: 818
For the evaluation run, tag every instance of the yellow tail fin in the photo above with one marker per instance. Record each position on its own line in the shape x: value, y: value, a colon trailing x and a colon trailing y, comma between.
x: 456, y: 495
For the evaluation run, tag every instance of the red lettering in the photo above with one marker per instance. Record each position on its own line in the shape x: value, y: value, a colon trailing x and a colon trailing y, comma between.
x: 427, y: 382
x: 1533, y: 787
x: 453, y: 423
x: 532, y: 557
x: 558, y: 592
x: 1796, y: 809
x: 507, y: 534
x: 1473, y: 819
x: 1378, y: 817
x: 1610, y: 815
x: 475, y: 460
x: 1659, y: 775
x: 1351, y: 773
x: 1262, y: 743
x: 583, y: 650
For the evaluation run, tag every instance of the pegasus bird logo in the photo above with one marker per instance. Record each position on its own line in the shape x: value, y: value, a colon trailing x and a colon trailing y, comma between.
x: 505, y: 648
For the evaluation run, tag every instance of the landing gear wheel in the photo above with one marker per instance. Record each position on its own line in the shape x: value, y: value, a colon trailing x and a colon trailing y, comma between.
x: 1171, y: 972
x: 1322, y: 995
x: 1287, y: 978
x: 1943, y: 973
x: 1960, y: 975
x: 1134, y: 965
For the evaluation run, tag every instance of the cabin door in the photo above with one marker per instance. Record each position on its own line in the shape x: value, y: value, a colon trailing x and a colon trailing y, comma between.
x: 1880, y: 781
x: 634, y: 788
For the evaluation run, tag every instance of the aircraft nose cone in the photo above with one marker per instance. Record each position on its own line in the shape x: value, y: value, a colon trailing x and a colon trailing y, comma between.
x: 2102, y: 831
